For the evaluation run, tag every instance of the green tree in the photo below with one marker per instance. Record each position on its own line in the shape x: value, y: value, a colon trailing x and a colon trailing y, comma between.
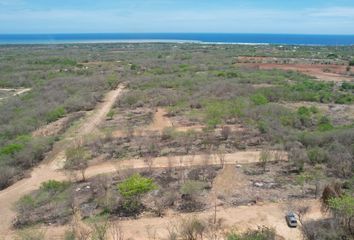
x: 351, y: 62
x: 136, y: 185
x: 259, y: 99
x: 132, y: 190
x: 343, y: 207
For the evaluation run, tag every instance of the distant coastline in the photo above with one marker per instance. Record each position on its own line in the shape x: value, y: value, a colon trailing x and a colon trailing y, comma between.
x: 197, y: 38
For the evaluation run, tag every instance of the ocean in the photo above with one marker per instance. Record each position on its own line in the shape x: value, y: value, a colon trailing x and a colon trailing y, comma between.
x: 210, y: 38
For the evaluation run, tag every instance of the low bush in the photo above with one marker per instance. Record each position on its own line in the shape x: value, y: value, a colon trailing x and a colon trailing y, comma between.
x: 193, y: 188
x: 347, y: 86
x: 132, y: 190
x: 56, y: 114
x: 135, y: 186
x: 55, y: 61
x: 49, y: 204
x: 324, y: 124
x: 54, y: 186
x: 112, y: 81
x: 263, y: 233
x: 23, y: 153
x: 259, y: 99
x: 317, y: 155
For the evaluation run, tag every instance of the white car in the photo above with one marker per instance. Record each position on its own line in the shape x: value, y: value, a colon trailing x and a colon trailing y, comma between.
x: 291, y: 219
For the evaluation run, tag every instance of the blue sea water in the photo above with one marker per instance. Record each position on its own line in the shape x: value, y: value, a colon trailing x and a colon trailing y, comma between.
x: 285, y: 39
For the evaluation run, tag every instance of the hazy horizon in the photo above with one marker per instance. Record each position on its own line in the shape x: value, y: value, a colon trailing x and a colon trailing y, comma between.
x: 226, y: 33
x: 171, y: 16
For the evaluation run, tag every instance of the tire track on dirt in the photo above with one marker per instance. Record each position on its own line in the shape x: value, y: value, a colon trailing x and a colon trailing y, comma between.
x: 48, y: 169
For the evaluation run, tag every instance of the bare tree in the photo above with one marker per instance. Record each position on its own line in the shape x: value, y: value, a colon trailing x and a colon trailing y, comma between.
x: 99, y: 229
x: 213, y: 229
x: 180, y: 170
x: 192, y: 229
x: 169, y: 165
x: 81, y: 232
x: 341, y: 160
x: 172, y: 231
x: 206, y: 162
x: 264, y: 158
x: 149, y: 162
x: 317, y: 176
x: 221, y: 154
x: 301, y: 212
x: 77, y: 159
x: 225, y: 132
x: 104, y: 182
x: 298, y: 157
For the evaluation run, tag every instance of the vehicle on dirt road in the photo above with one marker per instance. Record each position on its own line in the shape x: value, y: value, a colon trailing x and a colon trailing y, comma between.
x: 291, y: 220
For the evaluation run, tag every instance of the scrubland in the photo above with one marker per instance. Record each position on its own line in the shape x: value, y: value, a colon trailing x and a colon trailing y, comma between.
x: 194, y: 135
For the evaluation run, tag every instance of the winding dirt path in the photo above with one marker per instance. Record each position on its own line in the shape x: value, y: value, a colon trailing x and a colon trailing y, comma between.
x: 16, y: 92
x: 46, y: 172
x: 49, y: 168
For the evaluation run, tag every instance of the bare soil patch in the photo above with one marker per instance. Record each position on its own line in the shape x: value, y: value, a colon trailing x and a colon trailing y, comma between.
x: 323, y: 69
x: 322, y: 72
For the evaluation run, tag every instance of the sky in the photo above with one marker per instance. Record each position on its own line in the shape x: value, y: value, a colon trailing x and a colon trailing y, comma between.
x: 160, y: 16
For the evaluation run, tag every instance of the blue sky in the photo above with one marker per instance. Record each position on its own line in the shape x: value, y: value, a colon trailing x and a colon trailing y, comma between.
x: 227, y: 16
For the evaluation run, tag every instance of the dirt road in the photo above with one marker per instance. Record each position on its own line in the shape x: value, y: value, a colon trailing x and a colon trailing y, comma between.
x: 46, y: 172
x: 15, y: 92
x: 269, y: 214
x: 242, y: 157
x: 241, y: 218
x: 48, y: 169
